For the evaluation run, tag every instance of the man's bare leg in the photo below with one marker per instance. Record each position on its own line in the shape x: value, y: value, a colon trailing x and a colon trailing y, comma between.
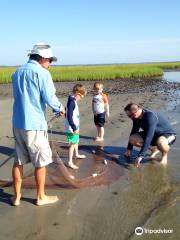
x: 17, y: 173
x: 154, y: 151
x: 42, y: 198
x: 162, y: 144
x: 137, y: 141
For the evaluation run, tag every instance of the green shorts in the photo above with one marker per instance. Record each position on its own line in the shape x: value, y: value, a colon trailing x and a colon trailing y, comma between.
x: 72, y: 137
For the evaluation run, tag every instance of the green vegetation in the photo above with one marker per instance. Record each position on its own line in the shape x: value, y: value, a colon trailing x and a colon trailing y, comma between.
x: 103, y: 72
x: 99, y: 72
x: 5, y: 74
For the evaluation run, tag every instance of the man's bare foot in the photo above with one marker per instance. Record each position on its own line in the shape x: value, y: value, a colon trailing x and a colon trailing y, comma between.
x: 72, y: 165
x: 81, y: 156
x: 164, y: 161
x: 153, y: 159
x: 153, y: 154
x: 15, y: 201
x: 47, y: 200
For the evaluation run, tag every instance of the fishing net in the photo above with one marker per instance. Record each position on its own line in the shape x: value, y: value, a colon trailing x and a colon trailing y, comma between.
x: 99, y: 167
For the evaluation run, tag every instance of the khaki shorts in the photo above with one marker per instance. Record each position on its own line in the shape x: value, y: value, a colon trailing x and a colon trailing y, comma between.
x: 32, y: 146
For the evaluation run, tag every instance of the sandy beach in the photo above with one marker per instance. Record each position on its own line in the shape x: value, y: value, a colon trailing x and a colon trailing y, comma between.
x: 147, y: 197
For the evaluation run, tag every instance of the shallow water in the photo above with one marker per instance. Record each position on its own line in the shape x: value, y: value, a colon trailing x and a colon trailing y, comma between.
x: 172, y: 76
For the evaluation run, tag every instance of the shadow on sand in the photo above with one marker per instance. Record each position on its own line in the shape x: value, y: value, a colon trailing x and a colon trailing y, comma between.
x: 6, y: 198
x: 6, y: 150
x: 64, y: 134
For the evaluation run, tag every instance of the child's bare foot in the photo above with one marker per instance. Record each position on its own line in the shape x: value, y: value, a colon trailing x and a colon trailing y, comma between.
x: 98, y: 139
x: 81, y: 156
x: 15, y: 201
x: 72, y: 165
x: 47, y: 200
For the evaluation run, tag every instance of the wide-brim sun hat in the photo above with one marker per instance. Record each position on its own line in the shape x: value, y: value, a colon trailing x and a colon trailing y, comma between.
x: 43, y: 50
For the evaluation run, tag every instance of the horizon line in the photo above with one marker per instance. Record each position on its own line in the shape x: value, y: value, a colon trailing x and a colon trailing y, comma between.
x: 99, y: 64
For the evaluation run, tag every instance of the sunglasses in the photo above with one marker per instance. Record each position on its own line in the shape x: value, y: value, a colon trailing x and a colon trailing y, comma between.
x: 48, y: 59
x: 133, y: 113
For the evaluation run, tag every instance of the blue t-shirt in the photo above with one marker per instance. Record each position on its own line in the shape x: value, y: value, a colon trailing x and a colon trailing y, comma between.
x: 33, y: 90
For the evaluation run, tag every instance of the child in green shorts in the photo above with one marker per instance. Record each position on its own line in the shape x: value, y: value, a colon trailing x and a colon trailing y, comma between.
x: 72, y: 123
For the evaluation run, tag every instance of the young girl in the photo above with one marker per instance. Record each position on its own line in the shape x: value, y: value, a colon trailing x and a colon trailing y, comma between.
x: 72, y: 123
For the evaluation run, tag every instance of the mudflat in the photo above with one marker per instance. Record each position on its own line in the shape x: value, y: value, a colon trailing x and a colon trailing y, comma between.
x: 147, y: 197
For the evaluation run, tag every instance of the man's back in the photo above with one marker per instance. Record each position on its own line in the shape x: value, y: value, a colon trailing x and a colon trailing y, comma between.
x: 155, y: 121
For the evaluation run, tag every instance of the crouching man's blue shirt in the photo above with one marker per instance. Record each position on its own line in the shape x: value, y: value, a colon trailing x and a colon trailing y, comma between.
x: 33, y: 90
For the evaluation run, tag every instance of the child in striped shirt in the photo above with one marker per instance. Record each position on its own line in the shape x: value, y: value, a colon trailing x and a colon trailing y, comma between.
x: 72, y: 122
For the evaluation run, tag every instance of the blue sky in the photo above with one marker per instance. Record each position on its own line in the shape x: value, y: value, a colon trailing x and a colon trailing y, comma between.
x: 91, y: 31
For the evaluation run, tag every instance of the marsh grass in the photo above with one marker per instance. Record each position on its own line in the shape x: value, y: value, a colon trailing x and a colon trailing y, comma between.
x: 99, y: 72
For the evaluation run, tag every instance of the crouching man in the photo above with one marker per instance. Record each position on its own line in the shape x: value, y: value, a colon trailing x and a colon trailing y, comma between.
x: 150, y: 131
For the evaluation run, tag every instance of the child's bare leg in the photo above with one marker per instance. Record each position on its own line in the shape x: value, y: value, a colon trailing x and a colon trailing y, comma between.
x: 101, y: 134
x: 77, y: 155
x: 71, y: 152
x: 98, y: 132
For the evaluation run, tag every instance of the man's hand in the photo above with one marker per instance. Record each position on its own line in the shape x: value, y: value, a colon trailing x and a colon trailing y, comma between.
x: 61, y: 113
x: 138, y: 161
x: 127, y: 154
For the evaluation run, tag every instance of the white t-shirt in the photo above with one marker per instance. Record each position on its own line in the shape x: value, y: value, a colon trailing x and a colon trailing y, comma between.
x: 99, y: 101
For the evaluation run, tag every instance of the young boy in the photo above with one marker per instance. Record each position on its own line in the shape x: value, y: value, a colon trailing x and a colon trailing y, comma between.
x: 100, y: 107
x: 72, y: 123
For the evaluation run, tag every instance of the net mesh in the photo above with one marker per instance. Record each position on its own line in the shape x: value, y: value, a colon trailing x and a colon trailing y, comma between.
x: 99, y: 167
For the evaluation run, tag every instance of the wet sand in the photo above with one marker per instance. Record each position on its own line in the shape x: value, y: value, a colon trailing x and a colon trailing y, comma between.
x: 146, y: 197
